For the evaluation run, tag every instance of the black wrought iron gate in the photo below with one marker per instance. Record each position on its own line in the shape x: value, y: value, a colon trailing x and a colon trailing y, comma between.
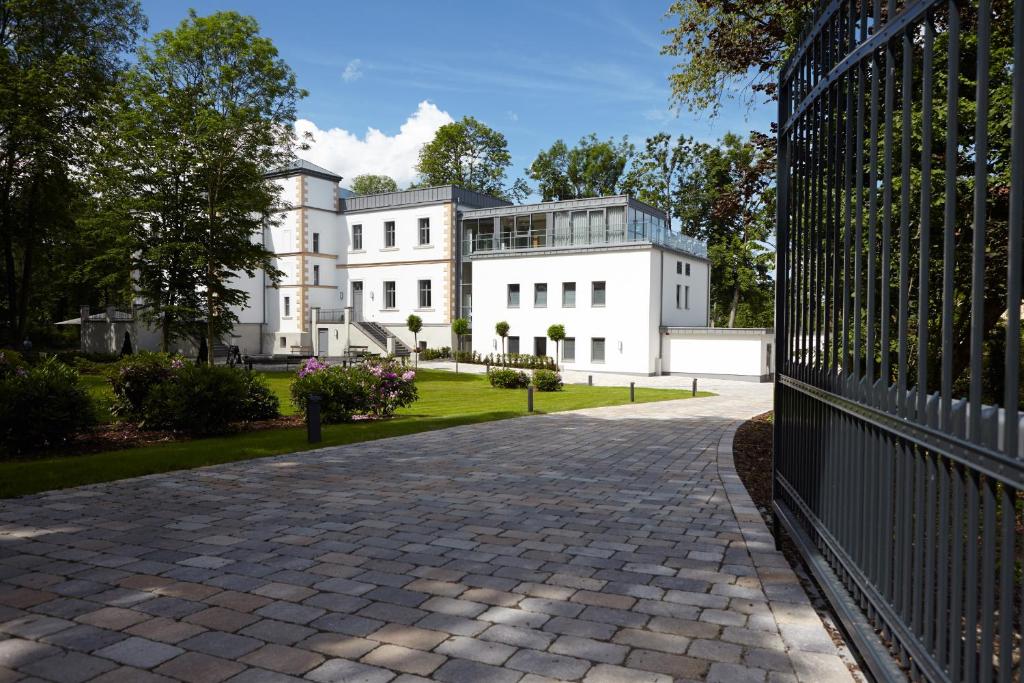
x: 899, y: 464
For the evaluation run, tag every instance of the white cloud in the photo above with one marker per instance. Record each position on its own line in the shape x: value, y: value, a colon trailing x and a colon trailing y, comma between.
x: 353, y: 71
x: 512, y: 116
x: 348, y: 155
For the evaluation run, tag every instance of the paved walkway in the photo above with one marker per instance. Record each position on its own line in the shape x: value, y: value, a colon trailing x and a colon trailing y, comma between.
x: 614, y: 544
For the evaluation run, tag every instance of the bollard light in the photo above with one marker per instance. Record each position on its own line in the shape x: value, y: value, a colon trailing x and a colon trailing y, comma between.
x: 529, y: 398
x: 694, y: 386
x: 590, y: 380
x: 632, y: 392
x: 313, y: 419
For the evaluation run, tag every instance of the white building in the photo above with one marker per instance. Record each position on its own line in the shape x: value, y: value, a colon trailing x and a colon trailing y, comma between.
x: 632, y: 295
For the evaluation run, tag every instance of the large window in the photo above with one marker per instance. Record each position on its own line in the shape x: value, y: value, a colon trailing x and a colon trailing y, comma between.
x: 316, y: 275
x: 287, y: 306
x: 424, y: 231
x: 568, y: 294
x: 389, y: 234
x: 687, y: 268
x: 597, y: 349
x: 357, y: 238
x: 679, y: 267
x: 679, y: 296
x: 425, y: 294
x: 513, y: 345
x: 513, y: 296
x: 597, y: 292
x: 540, y: 295
x: 540, y: 346
x: 686, y: 297
x: 389, y: 294
x: 316, y: 242
x: 569, y: 349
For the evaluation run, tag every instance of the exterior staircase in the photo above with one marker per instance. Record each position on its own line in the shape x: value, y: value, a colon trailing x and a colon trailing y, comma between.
x: 380, y: 335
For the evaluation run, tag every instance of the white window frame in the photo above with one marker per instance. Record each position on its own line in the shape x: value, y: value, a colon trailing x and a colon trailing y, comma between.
x: 392, y: 233
x: 316, y: 276
x: 565, y: 345
x: 593, y: 292
x: 420, y: 225
x: 428, y: 290
x: 357, y: 232
x: 286, y: 307
x: 393, y: 293
x: 536, y: 291
x: 604, y: 349
x: 508, y: 295
x: 566, y: 290
x: 316, y: 243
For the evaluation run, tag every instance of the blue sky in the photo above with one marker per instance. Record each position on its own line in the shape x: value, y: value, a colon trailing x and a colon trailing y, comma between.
x: 382, y: 76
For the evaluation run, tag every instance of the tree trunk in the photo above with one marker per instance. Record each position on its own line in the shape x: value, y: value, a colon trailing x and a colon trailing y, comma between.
x: 165, y: 333
x: 734, y: 304
x: 209, y: 313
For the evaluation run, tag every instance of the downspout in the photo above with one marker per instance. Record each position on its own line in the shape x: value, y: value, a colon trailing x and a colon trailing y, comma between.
x: 661, y: 312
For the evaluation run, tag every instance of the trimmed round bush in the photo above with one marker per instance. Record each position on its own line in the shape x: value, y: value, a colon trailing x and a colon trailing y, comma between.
x: 40, y: 406
x: 507, y: 378
x: 197, y: 399
x: 259, y: 402
x: 135, y: 377
x: 547, y: 380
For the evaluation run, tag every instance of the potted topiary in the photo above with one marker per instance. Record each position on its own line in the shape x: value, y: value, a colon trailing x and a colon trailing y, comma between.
x: 501, y: 329
x: 415, y: 324
x: 460, y: 328
x: 556, y: 333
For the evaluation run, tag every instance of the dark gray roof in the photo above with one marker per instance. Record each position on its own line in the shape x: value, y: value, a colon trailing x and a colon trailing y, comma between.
x: 421, y: 195
x: 567, y: 205
x: 303, y: 167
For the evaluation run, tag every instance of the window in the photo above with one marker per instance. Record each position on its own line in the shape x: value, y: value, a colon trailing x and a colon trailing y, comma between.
x: 389, y: 294
x: 679, y: 290
x: 357, y: 238
x: 316, y: 275
x: 425, y: 297
x: 287, y: 306
x: 687, y: 269
x: 597, y: 349
x: 389, y: 234
x: 513, y: 345
x: 540, y: 295
x: 686, y: 297
x: 568, y: 294
x: 284, y: 342
x: 424, y: 231
x: 569, y: 349
x: 540, y: 346
x: 679, y: 267
x: 597, y: 294
x: 513, y: 296
x: 316, y: 242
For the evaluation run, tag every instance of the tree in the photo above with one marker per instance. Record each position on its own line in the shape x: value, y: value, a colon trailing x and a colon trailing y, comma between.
x: 556, y: 333
x: 590, y: 169
x: 469, y: 154
x: 208, y: 108
x: 727, y: 198
x: 368, y: 183
x: 415, y: 324
x: 655, y: 171
x: 730, y: 43
x: 58, y: 59
x: 460, y: 328
x: 501, y: 329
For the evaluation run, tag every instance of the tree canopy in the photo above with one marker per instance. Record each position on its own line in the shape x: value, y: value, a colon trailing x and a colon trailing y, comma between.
x: 472, y: 155
x: 369, y: 183
x: 590, y: 169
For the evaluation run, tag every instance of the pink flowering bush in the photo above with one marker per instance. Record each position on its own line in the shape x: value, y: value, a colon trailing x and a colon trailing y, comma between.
x: 377, y: 388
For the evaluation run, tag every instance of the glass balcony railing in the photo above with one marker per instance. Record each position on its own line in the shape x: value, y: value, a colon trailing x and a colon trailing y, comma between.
x: 584, y: 236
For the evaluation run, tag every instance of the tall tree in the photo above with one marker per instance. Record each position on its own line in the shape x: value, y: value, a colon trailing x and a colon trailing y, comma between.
x: 58, y: 58
x: 472, y: 155
x: 590, y: 169
x: 368, y: 183
x: 206, y: 111
x: 726, y: 197
x: 657, y: 168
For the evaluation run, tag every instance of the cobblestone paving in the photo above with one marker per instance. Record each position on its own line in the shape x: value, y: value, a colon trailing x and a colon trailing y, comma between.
x: 606, y: 545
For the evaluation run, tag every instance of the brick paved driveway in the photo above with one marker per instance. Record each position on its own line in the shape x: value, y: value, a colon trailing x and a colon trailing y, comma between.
x: 613, y: 544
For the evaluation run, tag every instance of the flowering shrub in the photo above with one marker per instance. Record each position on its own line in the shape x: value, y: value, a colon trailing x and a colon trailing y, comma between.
x: 378, y: 388
x: 506, y: 378
x: 40, y: 406
x: 135, y: 377
x: 547, y: 380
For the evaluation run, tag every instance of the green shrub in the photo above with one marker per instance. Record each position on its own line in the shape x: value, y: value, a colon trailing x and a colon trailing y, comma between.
x: 435, y: 354
x: 506, y: 378
x: 40, y: 406
x: 197, y: 399
x: 377, y: 387
x: 547, y: 380
x: 259, y: 402
x: 135, y: 377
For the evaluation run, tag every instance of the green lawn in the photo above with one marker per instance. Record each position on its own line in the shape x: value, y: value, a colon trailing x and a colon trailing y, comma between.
x: 446, y: 400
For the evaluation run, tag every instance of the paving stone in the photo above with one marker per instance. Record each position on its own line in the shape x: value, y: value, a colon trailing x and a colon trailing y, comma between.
x: 606, y: 673
x: 734, y: 673
x: 288, y: 660
x: 459, y: 608
x: 674, y: 665
x: 556, y: 666
x: 221, y: 619
x: 68, y: 667
x: 518, y: 636
x: 34, y: 626
x: 130, y: 674
x: 84, y: 638
x: 581, y: 628
x: 409, y: 636
x: 404, y: 659
x: 458, y: 626
x: 139, y: 652
x: 277, y: 632
x: 196, y: 667
x: 344, y: 671
x: 483, y: 651
x: 287, y: 611
x: 466, y: 671
x: 218, y: 643
x: 587, y: 648
x: 338, y: 645
x: 651, y: 640
x: 165, y: 630
x: 715, y: 650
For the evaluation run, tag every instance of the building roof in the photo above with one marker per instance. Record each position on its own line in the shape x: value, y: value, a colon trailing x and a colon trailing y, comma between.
x: 421, y: 195
x: 568, y: 205
x: 118, y: 316
x: 303, y: 167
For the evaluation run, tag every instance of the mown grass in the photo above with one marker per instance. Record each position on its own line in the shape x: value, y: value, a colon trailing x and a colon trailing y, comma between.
x: 446, y: 400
